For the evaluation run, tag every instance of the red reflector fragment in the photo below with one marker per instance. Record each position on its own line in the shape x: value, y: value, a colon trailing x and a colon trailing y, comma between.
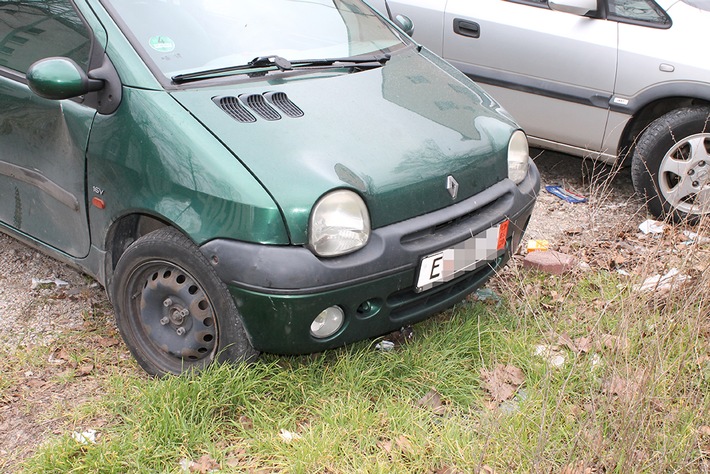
x: 98, y: 202
x: 503, y: 234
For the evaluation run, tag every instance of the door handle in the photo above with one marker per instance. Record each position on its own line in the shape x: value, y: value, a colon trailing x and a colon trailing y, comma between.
x: 467, y: 28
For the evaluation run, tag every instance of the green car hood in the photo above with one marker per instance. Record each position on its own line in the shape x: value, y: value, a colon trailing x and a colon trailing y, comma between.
x: 393, y: 134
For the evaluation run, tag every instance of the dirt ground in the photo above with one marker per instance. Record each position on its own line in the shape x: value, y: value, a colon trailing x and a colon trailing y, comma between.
x: 46, y: 307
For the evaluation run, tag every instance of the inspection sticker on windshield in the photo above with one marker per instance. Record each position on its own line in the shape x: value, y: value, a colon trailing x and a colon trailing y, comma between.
x: 162, y: 44
x: 466, y: 256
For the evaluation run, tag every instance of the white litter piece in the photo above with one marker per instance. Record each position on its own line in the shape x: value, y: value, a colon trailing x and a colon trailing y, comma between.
x: 652, y: 227
x: 385, y: 346
x: 288, y: 436
x: 85, y: 437
x: 53, y: 281
x: 552, y: 355
x: 694, y: 237
x: 665, y: 282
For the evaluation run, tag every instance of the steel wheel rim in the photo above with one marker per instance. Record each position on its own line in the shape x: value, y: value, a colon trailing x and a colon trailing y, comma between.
x: 171, y: 316
x: 684, y: 175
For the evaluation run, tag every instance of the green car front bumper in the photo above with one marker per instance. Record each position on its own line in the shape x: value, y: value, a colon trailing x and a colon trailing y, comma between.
x: 279, y: 290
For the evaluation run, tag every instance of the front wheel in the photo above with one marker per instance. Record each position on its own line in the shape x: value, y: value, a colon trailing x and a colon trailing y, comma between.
x: 172, y: 310
x: 671, y: 164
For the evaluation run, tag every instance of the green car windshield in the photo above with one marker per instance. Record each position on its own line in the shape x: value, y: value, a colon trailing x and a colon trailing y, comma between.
x: 190, y: 36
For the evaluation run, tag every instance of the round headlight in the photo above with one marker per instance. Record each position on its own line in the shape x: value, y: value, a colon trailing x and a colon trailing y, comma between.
x: 339, y: 224
x: 518, y: 157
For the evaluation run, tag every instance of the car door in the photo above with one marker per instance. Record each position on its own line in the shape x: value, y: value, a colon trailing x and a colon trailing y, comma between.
x: 553, y: 71
x: 43, y: 142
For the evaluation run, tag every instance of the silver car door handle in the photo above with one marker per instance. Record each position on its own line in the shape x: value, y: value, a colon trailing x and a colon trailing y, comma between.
x: 467, y: 28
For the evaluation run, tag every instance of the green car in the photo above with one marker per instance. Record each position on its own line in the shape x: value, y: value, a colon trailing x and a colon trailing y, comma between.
x: 257, y: 175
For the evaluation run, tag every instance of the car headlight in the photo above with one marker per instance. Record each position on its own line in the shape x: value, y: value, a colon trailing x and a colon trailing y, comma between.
x: 339, y: 224
x: 518, y: 157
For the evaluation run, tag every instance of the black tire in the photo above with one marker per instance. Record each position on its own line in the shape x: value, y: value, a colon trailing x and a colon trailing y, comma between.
x: 172, y: 310
x: 671, y: 164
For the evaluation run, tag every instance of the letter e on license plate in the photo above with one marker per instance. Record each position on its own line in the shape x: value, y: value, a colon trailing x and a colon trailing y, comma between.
x: 463, y: 257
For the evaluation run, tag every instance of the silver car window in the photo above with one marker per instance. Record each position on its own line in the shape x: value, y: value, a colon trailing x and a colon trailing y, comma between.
x: 638, y: 10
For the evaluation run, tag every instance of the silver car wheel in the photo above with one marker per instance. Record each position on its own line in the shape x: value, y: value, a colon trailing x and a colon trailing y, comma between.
x: 670, y: 165
x: 684, y: 175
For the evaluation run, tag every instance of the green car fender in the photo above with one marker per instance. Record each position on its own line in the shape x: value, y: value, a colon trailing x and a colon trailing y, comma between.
x: 151, y: 157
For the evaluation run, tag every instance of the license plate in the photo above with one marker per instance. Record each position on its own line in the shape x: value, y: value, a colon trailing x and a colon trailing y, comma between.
x: 463, y: 257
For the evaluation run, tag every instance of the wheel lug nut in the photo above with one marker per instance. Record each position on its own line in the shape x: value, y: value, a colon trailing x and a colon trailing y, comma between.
x: 165, y: 320
x: 702, y: 163
x: 180, y: 331
x: 696, y: 184
x: 691, y: 172
x: 167, y: 302
x: 184, y: 312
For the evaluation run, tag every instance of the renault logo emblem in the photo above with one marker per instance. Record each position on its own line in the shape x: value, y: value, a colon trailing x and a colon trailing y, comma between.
x: 452, y: 186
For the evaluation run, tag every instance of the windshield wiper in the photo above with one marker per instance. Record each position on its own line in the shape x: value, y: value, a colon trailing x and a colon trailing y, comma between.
x: 265, y: 64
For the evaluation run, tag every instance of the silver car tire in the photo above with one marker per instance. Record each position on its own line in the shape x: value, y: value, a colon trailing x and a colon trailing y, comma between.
x: 172, y: 310
x: 671, y: 164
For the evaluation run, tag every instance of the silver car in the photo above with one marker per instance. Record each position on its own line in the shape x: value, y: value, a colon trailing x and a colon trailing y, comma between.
x: 611, y: 79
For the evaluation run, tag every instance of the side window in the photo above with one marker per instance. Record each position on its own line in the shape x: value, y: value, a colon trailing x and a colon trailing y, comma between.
x: 638, y: 11
x: 35, y: 29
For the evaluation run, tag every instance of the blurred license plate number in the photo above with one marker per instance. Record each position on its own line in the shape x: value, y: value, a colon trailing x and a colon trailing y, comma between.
x: 466, y: 256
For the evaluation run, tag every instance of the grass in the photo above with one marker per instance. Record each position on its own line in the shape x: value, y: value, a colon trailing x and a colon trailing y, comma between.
x: 575, y: 374
x: 631, y: 395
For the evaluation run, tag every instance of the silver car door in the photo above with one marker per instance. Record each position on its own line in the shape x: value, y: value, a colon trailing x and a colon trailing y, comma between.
x: 553, y: 71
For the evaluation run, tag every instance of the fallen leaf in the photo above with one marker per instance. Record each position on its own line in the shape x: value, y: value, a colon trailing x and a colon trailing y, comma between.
x: 583, y: 344
x: 204, y: 465
x: 502, y: 382
x: 445, y: 470
x: 386, y: 446
x: 578, y: 346
x: 625, y: 389
x: 401, y: 444
x: 84, y: 369
x: 236, y: 458
x: 108, y: 342
x: 59, y: 356
x: 246, y: 422
x: 614, y: 343
x: 432, y: 401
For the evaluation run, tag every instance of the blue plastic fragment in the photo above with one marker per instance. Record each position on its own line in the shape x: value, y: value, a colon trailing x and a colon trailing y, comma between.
x: 568, y: 196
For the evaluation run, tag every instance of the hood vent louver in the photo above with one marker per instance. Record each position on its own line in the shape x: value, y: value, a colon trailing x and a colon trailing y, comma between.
x: 235, y: 109
x: 258, y: 104
x: 264, y: 105
x: 282, y: 102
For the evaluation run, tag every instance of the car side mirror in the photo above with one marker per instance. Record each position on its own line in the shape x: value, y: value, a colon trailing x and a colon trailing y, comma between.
x: 575, y: 7
x: 60, y: 78
x: 405, y: 24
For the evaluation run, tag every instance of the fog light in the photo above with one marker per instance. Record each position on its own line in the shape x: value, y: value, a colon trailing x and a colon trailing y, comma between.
x: 327, y: 322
